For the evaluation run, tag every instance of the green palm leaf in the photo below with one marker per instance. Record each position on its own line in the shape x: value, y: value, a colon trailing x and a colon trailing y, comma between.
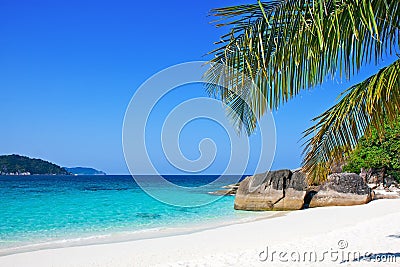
x: 287, y: 46
x: 366, y: 104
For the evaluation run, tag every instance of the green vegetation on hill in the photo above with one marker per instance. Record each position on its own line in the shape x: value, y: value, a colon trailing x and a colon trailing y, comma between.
x: 16, y: 164
x: 378, y: 152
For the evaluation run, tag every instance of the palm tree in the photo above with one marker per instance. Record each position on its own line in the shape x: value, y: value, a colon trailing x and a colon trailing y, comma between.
x: 285, y: 46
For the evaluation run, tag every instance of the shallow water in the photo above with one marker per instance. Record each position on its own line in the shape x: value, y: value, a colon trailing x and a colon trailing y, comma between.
x: 62, y: 209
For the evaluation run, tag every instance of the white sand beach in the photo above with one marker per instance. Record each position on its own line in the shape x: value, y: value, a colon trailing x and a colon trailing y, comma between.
x: 332, y: 236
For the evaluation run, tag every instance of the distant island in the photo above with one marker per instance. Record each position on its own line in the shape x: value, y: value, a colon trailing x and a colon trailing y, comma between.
x: 84, y: 171
x: 21, y: 165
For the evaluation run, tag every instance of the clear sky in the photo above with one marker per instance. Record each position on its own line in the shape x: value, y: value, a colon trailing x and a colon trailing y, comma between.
x: 68, y: 70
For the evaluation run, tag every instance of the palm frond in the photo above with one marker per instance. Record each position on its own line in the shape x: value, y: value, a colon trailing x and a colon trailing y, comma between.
x: 366, y: 104
x: 289, y: 45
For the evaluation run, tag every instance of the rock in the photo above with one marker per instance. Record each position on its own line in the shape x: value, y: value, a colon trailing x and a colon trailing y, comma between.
x: 232, y: 186
x: 381, y: 192
x: 364, y: 174
x: 377, y: 176
x: 372, y: 176
x: 229, y: 192
x: 385, y: 194
x: 337, y: 166
x: 390, y: 180
x: 298, y: 181
x: 274, y: 190
x: 342, y: 189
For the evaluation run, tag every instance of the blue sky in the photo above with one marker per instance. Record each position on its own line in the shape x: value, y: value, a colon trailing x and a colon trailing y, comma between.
x: 68, y: 70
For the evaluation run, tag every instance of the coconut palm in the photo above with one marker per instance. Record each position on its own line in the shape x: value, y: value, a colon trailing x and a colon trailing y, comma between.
x: 285, y: 46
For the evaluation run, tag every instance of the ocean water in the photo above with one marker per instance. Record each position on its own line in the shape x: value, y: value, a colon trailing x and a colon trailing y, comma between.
x: 40, y: 211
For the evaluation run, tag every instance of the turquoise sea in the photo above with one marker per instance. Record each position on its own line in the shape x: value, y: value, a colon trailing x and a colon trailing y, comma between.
x: 50, y: 211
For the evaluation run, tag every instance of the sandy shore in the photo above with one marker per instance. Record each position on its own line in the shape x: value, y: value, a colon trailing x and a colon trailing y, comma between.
x: 331, y: 236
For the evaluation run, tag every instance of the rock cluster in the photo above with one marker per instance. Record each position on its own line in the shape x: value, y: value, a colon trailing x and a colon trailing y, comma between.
x: 377, y: 176
x: 383, y: 185
x: 382, y: 192
x: 287, y: 190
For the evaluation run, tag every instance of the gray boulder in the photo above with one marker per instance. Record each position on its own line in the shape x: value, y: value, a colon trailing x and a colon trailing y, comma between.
x: 372, y: 176
x: 274, y: 190
x: 342, y: 189
x: 390, y: 181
